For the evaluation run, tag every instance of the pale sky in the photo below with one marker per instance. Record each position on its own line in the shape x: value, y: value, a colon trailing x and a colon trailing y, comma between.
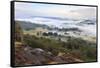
x: 29, y: 10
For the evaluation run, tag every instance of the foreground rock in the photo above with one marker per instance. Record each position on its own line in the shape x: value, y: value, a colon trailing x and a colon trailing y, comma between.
x: 25, y: 55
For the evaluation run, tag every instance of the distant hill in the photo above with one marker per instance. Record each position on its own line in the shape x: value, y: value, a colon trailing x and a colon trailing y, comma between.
x: 28, y: 25
x: 88, y: 22
x: 56, y: 18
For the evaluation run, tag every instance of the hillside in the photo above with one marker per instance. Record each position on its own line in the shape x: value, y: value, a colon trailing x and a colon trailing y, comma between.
x: 28, y: 25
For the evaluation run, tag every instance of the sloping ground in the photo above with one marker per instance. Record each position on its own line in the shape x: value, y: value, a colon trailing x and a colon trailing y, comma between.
x: 25, y: 55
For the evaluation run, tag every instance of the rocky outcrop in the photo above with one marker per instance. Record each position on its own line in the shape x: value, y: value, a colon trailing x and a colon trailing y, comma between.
x: 25, y: 55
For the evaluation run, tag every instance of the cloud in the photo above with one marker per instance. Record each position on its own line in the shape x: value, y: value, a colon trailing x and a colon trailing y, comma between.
x: 27, y: 10
x: 89, y: 12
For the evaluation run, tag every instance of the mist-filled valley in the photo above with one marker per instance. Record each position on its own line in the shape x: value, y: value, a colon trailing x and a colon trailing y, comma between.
x: 53, y: 41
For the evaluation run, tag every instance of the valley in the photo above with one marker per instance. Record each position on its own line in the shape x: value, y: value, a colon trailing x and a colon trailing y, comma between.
x: 39, y: 44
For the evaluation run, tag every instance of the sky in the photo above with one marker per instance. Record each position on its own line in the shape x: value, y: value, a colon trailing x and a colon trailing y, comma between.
x: 29, y: 10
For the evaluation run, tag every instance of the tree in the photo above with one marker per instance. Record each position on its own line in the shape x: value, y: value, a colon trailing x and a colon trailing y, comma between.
x: 18, y: 32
